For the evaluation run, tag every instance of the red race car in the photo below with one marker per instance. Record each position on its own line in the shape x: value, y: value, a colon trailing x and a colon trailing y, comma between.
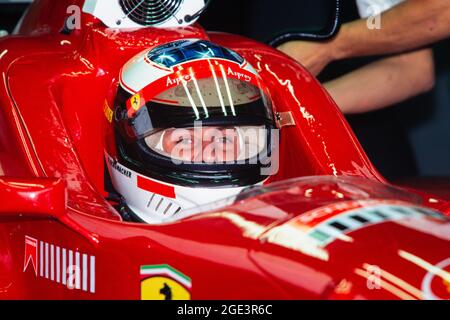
x: 323, y: 225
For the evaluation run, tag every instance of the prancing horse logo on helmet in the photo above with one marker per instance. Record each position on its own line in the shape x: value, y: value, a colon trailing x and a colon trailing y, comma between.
x: 136, y: 102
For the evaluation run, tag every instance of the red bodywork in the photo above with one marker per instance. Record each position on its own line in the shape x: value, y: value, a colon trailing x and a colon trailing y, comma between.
x: 52, y: 98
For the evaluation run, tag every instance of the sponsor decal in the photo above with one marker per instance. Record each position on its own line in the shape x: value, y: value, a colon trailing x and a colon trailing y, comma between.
x: 136, y: 101
x: 31, y: 253
x: 198, y: 69
x: 436, y: 284
x: 320, y: 227
x: 239, y: 75
x: 171, y: 82
x: 134, y: 104
x: 108, y: 112
x: 143, y: 183
x: 332, y: 222
x: 156, y: 187
x: 70, y: 268
x: 162, y: 282
x: 116, y: 166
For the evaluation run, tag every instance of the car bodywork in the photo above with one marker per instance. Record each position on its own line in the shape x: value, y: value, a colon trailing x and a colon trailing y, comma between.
x: 328, y: 226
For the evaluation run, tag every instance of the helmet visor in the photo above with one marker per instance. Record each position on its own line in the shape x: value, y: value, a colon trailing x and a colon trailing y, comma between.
x: 211, y: 144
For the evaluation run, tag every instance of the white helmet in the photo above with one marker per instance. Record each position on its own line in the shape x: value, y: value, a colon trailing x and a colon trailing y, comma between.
x: 145, y: 13
x: 192, y: 124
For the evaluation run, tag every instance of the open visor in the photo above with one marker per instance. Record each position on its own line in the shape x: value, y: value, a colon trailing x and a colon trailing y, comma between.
x: 211, y: 145
x: 213, y: 93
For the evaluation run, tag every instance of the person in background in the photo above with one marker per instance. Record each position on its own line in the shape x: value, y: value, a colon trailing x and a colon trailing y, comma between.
x: 407, y: 26
x: 382, y: 132
x: 379, y: 84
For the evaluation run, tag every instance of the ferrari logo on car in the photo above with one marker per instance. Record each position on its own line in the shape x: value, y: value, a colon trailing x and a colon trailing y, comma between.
x: 162, y: 282
x: 71, y: 268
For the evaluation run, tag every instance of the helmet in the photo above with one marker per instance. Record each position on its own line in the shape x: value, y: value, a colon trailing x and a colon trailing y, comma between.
x: 192, y: 123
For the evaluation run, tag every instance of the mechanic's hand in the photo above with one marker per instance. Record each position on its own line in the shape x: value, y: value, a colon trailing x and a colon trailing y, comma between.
x: 314, y: 56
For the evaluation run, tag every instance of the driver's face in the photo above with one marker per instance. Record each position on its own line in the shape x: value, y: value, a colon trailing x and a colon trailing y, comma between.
x: 207, y: 144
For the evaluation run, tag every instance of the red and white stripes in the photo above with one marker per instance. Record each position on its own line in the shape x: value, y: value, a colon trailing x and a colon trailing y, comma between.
x: 71, y: 268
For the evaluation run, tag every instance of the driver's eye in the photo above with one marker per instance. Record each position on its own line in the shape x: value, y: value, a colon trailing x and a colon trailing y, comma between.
x: 185, y: 140
x: 224, y: 140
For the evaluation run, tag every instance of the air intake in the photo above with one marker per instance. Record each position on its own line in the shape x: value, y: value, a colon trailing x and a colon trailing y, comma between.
x: 151, y: 12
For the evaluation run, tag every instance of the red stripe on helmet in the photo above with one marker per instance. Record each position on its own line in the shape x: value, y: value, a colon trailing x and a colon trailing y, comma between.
x: 200, y: 69
x: 156, y: 187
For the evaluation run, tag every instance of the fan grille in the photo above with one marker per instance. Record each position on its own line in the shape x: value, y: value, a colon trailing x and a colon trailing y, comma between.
x: 150, y: 12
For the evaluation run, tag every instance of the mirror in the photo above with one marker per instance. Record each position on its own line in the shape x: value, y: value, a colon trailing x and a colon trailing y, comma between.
x: 274, y: 22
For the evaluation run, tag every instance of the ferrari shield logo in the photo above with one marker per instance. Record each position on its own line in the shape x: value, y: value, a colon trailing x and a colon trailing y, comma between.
x: 136, y: 102
x: 162, y: 282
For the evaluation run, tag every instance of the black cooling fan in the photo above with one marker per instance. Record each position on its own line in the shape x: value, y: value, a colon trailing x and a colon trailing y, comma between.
x: 150, y: 12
